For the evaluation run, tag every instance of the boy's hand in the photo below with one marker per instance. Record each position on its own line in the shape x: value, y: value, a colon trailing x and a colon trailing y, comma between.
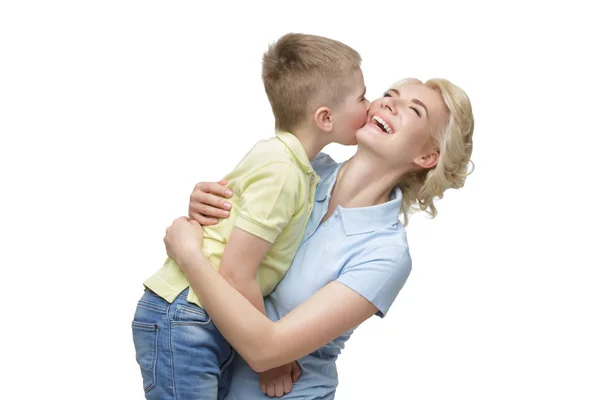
x: 207, y: 202
x: 278, y: 381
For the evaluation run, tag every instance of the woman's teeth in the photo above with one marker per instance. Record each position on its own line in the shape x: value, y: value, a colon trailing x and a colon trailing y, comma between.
x: 380, y: 123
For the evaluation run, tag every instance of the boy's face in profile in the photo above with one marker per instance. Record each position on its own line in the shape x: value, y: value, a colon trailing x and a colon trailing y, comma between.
x: 351, y: 113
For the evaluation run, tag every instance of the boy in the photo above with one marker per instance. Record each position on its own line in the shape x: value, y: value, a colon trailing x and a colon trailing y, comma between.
x: 316, y: 90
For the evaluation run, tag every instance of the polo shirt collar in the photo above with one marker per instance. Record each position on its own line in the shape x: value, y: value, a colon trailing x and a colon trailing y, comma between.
x: 296, y: 148
x: 369, y: 219
x: 327, y: 181
x: 362, y: 219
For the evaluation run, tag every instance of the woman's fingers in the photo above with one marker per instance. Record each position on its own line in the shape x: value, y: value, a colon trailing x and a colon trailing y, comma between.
x: 210, y: 211
x: 200, y: 199
x: 203, y: 220
x: 208, y: 202
x: 216, y: 188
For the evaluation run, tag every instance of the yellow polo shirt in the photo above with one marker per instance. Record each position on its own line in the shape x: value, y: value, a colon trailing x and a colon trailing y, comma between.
x: 273, y: 191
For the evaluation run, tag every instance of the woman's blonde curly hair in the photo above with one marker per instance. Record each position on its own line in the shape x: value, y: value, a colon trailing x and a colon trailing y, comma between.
x: 455, y: 145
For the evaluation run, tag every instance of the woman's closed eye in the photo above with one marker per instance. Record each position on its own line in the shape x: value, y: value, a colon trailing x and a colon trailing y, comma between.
x: 416, y: 110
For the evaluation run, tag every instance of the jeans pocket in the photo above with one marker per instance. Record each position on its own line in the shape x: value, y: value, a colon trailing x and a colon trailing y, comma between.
x: 145, y: 340
x: 191, y: 314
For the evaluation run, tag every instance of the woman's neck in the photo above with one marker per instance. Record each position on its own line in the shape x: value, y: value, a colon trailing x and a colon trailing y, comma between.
x: 363, y: 181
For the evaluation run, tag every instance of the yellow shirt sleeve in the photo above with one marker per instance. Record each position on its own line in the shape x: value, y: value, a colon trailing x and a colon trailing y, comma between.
x: 269, y: 200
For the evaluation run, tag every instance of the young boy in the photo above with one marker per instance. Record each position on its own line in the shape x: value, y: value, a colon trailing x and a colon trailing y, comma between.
x: 316, y: 90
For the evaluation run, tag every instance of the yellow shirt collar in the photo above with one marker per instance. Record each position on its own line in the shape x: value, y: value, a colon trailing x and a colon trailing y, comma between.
x: 296, y: 148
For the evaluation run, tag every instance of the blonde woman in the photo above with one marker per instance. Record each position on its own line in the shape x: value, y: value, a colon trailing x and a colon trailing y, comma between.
x: 354, y: 257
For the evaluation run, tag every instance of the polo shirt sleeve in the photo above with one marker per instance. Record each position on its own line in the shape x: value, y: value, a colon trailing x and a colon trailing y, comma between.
x: 269, y: 200
x: 378, y: 275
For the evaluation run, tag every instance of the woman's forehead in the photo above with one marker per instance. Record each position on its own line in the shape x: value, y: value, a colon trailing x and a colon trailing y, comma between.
x: 410, y: 88
x: 430, y: 96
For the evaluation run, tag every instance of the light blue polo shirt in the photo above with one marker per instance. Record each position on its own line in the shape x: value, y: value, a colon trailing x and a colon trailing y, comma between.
x: 363, y: 248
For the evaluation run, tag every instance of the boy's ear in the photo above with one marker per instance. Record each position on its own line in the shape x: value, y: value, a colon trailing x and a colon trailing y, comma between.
x: 324, y: 119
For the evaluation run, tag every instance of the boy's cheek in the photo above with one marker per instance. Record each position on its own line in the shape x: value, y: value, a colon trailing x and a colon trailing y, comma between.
x: 361, y: 120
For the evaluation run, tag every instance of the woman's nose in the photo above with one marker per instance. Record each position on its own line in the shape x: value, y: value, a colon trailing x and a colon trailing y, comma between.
x: 387, y: 102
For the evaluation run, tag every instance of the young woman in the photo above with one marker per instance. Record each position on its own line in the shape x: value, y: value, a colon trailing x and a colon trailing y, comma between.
x: 354, y: 257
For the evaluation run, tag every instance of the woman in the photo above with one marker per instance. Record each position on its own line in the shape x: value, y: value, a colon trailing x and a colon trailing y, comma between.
x: 354, y: 258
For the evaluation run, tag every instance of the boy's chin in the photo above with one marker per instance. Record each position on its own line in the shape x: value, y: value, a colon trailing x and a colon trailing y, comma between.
x: 349, y: 141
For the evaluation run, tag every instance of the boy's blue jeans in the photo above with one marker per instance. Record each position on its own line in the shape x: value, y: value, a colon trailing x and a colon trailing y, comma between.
x: 181, y: 353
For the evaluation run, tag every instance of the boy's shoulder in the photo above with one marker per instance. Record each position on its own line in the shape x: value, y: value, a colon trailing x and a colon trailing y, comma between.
x: 270, y: 151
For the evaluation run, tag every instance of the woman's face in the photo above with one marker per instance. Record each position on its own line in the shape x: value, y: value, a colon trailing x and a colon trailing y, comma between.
x: 400, y: 124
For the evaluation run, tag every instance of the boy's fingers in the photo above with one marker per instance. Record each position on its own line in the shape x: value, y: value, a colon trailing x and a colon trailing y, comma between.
x: 263, y: 386
x: 279, y: 389
x: 296, y: 371
x: 287, y: 385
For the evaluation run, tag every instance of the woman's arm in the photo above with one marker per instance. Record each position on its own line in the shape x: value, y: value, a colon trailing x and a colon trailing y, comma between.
x: 262, y: 343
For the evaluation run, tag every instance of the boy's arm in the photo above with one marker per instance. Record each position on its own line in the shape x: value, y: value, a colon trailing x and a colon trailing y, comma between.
x: 207, y: 203
x: 243, y: 254
x: 240, y: 261
x: 268, y: 202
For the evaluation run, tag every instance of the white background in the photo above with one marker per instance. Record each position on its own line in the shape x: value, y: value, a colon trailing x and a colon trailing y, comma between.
x: 111, y: 111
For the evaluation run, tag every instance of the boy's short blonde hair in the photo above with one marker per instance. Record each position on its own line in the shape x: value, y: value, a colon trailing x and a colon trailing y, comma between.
x: 299, y: 70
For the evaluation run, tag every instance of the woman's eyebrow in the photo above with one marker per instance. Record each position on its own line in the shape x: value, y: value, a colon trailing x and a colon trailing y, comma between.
x: 414, y: 100
x: 419, y: 102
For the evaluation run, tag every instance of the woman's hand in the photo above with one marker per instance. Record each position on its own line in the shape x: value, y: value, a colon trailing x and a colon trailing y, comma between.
x: 207, y: 202
x: 183, y: 239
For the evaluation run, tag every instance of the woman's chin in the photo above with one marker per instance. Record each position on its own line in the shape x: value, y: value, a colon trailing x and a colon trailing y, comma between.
x: 368, y: 136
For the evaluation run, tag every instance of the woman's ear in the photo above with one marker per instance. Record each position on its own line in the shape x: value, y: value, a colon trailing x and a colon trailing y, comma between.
x: 324, y: 119
x: 427, y: 160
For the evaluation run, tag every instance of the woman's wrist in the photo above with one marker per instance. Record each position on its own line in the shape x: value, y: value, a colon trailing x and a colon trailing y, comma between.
x: 191, y: 259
